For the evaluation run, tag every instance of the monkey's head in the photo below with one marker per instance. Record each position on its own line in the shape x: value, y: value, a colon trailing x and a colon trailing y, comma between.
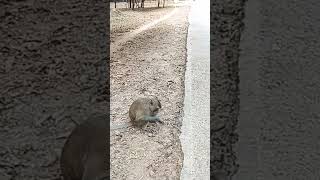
x: 155, y: 105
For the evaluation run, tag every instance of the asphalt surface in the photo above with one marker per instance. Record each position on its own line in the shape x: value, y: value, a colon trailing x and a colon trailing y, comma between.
x: 279, y: 66
x: 195, y: 136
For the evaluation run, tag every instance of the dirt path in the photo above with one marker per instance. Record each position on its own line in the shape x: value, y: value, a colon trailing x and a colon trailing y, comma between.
x: 151, y: 63
x: 116, y: 45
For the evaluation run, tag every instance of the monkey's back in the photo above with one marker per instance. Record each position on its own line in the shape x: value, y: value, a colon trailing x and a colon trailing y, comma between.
x: 139, y: 107
x: 87, y: 140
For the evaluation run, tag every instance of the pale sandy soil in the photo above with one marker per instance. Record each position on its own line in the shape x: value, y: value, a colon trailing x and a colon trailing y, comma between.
x: 152, y: 63
x: 124, y: 20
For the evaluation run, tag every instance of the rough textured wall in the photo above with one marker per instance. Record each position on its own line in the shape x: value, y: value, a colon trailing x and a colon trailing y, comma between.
x: 53, y: 74
x: 226, y: 27
x: 279, y: 91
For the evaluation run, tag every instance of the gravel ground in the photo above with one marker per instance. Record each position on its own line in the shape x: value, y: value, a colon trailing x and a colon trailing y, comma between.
x: 124, y: 20
x: 226, y: 28
x: 153, y: 63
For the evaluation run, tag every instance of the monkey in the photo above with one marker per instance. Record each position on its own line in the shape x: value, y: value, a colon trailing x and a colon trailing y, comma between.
x: 83, y: 156
x: 142, y: 111
x: 120, y: 126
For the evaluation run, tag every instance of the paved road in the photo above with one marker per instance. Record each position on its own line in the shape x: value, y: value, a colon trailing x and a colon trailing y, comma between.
x: 195, y: 137
x: 279, y: 91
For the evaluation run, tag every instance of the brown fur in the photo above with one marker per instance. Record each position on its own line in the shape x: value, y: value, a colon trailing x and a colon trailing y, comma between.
x: 143, y: 109
x: 140, y: 111
x: 84, y: 153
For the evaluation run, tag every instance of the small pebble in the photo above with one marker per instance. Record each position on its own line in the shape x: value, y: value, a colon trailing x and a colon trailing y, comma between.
x: 117, y: 133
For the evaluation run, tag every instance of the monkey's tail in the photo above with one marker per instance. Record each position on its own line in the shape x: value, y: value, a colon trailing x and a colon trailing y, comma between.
x: 120, y: 126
